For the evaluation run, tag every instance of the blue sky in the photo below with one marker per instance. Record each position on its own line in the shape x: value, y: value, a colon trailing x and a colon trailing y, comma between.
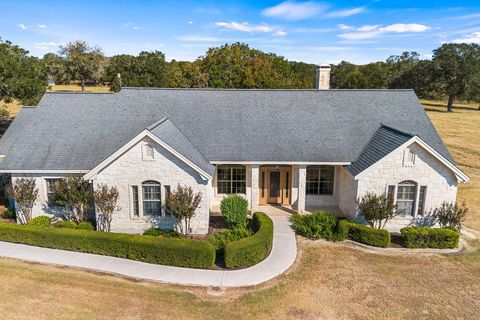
x: 310, y: 31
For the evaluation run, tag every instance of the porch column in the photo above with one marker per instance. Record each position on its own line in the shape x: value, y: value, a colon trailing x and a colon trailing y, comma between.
x: 302, y: 190
x: 254, y: 198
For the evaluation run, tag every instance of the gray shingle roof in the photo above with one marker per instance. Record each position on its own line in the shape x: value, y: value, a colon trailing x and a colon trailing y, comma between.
x: 166, y: 131
x: 76, y: 131
x: 384, y: 141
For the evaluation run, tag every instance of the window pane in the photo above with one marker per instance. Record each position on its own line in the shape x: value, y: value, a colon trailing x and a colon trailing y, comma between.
x: 135, y: 200
x: 312, y: 187
x: 406, y: 197
x: 151, y: 208
x: 231, y: 179
x: 50, y: 185
x: 421, y: 200
x: 151, y: 198
x: 312, y: 174
x: 391, y: 192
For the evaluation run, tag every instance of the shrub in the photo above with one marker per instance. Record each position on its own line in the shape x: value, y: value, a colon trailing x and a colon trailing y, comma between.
x: 65, y: 224
x: 251, y: 250
x: 173, y: 252
x: 220, y: 239
x: 234, y: 209
x: 8, y: 214
x: 343, y: 227
x: 41, y: 221
x: 363, y: 234
x: 155, y: 232
x: 376, y: 209
x: 317, y: 225
x: 85, y: 225
x: 422, y: 237
x: 450, y: 215
x: 25, y: 192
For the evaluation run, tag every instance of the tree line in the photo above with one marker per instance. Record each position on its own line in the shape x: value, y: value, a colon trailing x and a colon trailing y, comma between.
x: 453, y: 72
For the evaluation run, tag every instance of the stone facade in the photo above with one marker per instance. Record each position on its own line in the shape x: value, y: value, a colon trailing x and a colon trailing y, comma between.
x: 130, y: 169
x: 426, y: 171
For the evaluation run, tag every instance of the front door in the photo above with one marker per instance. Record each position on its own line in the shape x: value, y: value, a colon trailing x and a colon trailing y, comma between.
x: 274, y: 192
x: 275, y: 185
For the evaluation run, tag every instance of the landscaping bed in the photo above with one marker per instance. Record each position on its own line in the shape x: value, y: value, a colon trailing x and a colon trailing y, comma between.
x: 327, y: 226
x: 184, y: 252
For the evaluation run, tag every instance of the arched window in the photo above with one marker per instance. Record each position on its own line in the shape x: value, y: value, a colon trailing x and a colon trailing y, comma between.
x: 406, y: 194
x: 151, y: 198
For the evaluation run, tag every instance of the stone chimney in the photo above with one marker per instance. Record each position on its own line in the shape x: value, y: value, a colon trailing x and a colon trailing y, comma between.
x: 322, y: 78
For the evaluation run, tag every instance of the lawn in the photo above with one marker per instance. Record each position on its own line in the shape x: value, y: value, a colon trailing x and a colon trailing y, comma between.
x: 77, y: 87
x: 329, y: 281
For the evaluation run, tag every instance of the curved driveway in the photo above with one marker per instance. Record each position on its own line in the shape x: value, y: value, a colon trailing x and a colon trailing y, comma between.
x: 283, y: 255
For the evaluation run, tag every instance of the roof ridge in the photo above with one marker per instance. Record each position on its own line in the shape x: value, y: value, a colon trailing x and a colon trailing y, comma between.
x: 410, y: 134
x: 256, y: 89
x: 156, y: 123
x: 76, y: 92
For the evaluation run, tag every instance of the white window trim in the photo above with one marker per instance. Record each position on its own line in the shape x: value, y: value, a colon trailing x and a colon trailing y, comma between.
x: 323, y: 195
x: 216, y: 180
x: 417, y: 197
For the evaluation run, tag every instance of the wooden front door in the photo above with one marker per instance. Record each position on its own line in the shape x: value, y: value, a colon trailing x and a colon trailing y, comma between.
x: 275, y: 185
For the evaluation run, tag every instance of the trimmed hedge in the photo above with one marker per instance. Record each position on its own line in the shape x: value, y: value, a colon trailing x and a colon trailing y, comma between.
x: 40, y: 221
x: 220, y: 239
x: 251, y: 250
x: 320, y: 224
x: 155, y: 232
x: 85, y: 225
x: 363, y: 233
x: 172, y: 252
x: 438, y: 238
x: 65, y: 224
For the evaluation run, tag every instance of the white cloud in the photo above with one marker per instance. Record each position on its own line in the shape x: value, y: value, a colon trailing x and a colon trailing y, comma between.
x: 474, y: 37
x: 291, y: 10
x: 342, y: 26
x: 374, y: 31
x: 190, y: 22
x: 194, y: 38
x: 345, y: 13
x: 132, y: 25
x: 251, y: 28
x: 22, y: 26
x: 41, y: 26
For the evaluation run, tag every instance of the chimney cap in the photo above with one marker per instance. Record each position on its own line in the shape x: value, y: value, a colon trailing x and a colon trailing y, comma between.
x: 324, y: 66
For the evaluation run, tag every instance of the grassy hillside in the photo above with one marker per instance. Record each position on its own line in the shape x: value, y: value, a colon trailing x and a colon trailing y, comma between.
x: 77, y: 87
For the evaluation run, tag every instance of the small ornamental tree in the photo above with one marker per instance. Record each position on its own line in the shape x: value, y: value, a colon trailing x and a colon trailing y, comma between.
x: 376, y: 209
x: 25, y: 193
x: 73, y: 193
x: 182, y: 203
x: 106, y: 199
x: 450, y: 215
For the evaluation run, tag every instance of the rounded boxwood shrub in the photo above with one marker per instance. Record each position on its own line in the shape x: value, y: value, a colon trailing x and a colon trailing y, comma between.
x: 317, y: 225
x: 220, y: 239
x: 41, y: 221
x: 85, y: 225
x: 363, y: 234
x: 187, y: 253
x: 251, y: 250
x: 234, y: 209
x: 422, y: 237
x: 65, y: 224
x: 8, y: 214
x: 155, y: 232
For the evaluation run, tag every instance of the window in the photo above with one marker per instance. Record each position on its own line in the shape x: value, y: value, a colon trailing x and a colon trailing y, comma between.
x: 151, y: 198
x: 391, y: 192
x: 406, y: 193
x: 408, y: 157
x: 148, y: 151
x: 136, y: 208
x: 231, y: 179
x: 320, y: 180
x: 50, y: 183
x: 421, y: 200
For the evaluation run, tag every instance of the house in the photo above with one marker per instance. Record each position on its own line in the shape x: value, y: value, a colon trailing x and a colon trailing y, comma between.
x: 304, y: 149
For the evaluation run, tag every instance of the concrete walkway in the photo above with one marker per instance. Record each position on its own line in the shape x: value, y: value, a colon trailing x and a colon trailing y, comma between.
x: 283, y: 255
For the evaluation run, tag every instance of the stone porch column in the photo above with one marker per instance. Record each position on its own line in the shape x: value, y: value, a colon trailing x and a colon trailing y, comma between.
x: 254, y: 198
x: 302, y: 191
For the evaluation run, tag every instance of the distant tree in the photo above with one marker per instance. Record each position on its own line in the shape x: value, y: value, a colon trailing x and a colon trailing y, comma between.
x: 83, y: 62
x: 238, y: 66
x: 4, y: 113
x: 74, y: 193
x: 148, y: 69
x: 25, y: 193
x: 346, y: 75
x: 455, y: 68
x: 183, y: 202
x: 21, y: 76
x: 106, y: 199
x: 55, y: 68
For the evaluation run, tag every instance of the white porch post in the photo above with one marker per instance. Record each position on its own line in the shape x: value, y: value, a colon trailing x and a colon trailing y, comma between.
x: 302, y: 182
x: 254, y: 198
